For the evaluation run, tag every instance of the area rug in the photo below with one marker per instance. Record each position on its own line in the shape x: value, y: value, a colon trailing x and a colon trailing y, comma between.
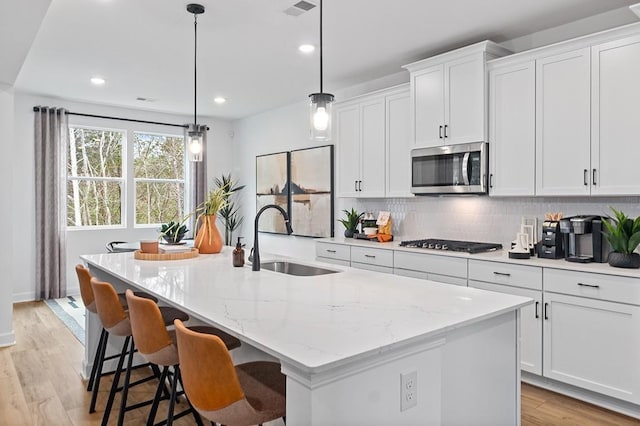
x: 71, y: 312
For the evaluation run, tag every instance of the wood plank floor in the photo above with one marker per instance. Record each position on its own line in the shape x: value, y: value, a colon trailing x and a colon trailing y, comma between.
x: 40, y: 384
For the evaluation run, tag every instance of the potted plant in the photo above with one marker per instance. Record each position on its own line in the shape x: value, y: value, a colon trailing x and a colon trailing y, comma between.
x: 173, y: 232
x: 208, y: 239
x: 229, y: 214
x: 351, y: 222
x: 623, y: 233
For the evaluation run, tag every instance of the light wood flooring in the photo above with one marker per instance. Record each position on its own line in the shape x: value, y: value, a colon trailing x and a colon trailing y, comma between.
x: 40, y: 384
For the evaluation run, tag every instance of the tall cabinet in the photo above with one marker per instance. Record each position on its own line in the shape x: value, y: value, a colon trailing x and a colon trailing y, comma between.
x: 373, y: 142
x: 449, y: 95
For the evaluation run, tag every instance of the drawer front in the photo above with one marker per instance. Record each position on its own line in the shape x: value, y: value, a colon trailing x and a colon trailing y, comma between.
x: 371, y: 256
x: 410, y: 273
x: 448, y: 280
x: 338, y: 262
x: 596, y: 286
x: 369, y: 267
x: 441, y: 265
x: 506, y: 273
x: 333, y: 251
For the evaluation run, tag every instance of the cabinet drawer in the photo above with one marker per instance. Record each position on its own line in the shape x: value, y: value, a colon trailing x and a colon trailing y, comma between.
x: 333, y: 251
x: 371, y: 256
x: 434, y: 264
x: 506, y: 273
x: 596, y: 286
x: 370, y: 267
x: 338, y: 262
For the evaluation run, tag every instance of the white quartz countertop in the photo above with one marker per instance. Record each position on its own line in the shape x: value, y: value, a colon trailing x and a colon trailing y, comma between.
x: 495, y: 256
x: 314, y: 323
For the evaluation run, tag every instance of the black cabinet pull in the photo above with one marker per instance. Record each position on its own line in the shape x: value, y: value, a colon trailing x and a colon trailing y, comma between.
x: 370, y: 256
x: 588, y: 285
x: 445, y: 131
x: 593, y: 177
x: 585, y: 177
x: 330, y: 251
x: 502, y: 274
x: 546, y: 305
x: 360, y: 185
x: 440, y: 132
x: 537, y: 304
x: 355, y: 185
x: 491, y: 180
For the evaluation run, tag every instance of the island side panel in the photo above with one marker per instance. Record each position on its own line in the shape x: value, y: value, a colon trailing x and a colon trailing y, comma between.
x: 481, y: 373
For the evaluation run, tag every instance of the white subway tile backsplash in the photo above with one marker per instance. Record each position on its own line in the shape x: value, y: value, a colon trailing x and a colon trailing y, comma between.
x: 479, y: 218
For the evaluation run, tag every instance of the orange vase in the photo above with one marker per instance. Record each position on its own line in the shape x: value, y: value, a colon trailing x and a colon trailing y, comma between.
x: 208, y: 239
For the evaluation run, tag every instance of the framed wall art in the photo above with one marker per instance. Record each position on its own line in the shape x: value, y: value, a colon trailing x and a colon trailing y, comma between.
x: 272, y: 178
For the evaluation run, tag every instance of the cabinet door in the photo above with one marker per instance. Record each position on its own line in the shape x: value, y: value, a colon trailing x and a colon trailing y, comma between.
x: 615, y: 105
x: 530, y: 324
x: 563, y: 121
x: 372, y: 148
x: 348, y: 141
x: 464, y: 100
x: 399, y: 145
x: 512, y: 130
x: 593, y: 344
x: 428, y: 106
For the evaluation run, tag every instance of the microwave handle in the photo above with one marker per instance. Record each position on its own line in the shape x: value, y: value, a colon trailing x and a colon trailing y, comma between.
x: 465, y: 168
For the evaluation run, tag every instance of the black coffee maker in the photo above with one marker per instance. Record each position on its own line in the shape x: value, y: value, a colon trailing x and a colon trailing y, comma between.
x: 583, y: 241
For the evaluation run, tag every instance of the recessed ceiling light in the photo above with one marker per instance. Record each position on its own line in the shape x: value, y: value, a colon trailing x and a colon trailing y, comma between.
x: 98, y: 81
x: 219, y: 100
x: 306, y: 48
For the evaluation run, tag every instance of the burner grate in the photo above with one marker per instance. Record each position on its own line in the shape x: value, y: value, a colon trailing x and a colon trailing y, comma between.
x: 452, y: 245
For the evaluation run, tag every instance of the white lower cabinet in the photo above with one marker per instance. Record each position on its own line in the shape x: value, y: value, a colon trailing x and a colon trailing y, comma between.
x: 372, y: 259
x: 444, y: 269
x: 518, y: 280
x: 589, y: 341
x: 337, y: 254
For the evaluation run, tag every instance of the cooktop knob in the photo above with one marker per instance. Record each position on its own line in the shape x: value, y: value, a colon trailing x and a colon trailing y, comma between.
x: 430, y: 245
x: 438, y: 247
x: 445, y: 247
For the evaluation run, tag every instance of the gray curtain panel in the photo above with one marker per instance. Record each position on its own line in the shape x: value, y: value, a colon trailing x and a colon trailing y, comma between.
x: 51, y: 139
x: 197, y: 175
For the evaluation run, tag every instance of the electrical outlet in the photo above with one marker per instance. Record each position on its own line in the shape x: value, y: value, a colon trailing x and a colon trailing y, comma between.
x: 408, y: 390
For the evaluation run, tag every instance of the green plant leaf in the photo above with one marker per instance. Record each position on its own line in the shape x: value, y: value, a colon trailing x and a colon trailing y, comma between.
x: 633, y: 242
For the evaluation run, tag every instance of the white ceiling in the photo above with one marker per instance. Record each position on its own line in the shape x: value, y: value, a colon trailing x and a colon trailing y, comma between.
x: 247, y: 49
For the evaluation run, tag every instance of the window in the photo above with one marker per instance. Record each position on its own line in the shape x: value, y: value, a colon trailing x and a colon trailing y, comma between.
x: 158, y: 170
x: 94, y: 177
x: 111, y: 182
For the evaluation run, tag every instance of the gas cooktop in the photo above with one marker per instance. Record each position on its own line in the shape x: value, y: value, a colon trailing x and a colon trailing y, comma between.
x: 452, y: 245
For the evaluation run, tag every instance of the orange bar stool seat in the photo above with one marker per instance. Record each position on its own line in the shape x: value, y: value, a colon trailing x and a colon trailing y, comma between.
x: 246, y: 394
x: 116, y: 322
x: 157, y: 345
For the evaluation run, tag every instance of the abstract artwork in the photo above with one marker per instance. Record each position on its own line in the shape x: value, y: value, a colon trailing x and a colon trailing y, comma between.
x: 272, y: 177
x: 311, y: 190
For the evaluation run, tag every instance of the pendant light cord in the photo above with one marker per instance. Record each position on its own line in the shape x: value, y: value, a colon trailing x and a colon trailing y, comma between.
x: 195, y: 72
x: 321, y: 89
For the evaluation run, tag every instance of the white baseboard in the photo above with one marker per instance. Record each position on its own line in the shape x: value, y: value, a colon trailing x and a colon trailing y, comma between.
x: 24, y: 297
x: 7, y: 339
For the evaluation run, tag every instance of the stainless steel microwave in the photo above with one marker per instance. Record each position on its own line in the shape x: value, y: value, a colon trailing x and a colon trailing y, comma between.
x: 450, y: 169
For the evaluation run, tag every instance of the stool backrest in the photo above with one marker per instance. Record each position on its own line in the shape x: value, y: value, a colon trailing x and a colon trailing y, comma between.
x: 147, y: 326
x: 86, y: 292
x: 208, y: 374
x: 110, y: 311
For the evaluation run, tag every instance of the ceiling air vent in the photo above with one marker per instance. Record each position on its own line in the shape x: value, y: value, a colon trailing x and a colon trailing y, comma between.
x: 299, y: 8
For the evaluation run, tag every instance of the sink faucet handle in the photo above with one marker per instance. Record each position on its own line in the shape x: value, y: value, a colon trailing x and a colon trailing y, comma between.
x: 251, y: 255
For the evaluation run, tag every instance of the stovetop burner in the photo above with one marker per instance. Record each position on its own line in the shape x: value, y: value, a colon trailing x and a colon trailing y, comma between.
x: 452, y: 245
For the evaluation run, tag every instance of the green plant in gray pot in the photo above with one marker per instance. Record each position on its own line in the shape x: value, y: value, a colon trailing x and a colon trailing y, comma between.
x: 173, y: 232
x: 351, y: 222
x: 623, y: 233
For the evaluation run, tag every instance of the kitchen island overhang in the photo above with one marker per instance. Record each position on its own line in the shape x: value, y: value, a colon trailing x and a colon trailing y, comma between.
x: 344, y: 339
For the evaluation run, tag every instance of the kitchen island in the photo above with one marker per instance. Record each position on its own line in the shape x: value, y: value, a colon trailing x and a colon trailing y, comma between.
x: 345, y: 339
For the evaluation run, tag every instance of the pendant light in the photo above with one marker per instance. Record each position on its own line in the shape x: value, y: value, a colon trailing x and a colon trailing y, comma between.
x: 320, y: 105
x: 195, y: 136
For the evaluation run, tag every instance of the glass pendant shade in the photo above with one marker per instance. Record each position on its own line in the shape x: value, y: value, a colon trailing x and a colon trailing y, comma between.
x: 194, y: 146
x: 320, y: 116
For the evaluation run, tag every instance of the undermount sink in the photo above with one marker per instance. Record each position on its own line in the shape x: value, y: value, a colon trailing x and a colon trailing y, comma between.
x: 298, y: 269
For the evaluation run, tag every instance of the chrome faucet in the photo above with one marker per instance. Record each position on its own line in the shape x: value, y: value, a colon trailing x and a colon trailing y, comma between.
x: 255, y: 262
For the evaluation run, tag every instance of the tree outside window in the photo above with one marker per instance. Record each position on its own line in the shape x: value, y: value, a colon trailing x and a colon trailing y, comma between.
x: 94, y: 177
x: 158, y: 164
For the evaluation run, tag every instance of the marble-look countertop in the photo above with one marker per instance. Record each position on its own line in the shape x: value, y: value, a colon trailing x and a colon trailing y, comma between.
x: 315, y: 323
x: 495, y: 256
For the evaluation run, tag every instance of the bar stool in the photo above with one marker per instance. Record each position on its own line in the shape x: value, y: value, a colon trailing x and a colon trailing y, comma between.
x: 88, y: 298
x: 116, y: 321
x: 246, y: 394
x: 157, y: 345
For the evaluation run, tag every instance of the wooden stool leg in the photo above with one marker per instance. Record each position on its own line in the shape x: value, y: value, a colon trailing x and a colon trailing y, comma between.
x: 116, y: 379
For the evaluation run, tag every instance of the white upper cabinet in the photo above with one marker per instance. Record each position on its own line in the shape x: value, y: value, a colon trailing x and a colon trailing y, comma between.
x: 449, y: 95
x: 512, y: 132
x: 374, y: 145
x: 615, y: 117
x: 563, y: 116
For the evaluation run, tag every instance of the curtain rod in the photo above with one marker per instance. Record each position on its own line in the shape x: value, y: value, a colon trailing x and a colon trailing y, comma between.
x: 184, y: 126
